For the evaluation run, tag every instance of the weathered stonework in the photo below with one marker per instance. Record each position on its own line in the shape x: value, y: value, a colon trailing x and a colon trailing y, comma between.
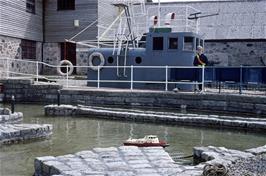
x: 12, y: 133
x: 82, y: 60
x: 237, y: 19
x: 112, y: 161
x: 157, y: 117
x: 7, y: 117
x: 10, y: 49
x: 236, y: 53
x: 250, y: 162
x: 149, y: 161
x: 26, y: 91
x: 52, y: 56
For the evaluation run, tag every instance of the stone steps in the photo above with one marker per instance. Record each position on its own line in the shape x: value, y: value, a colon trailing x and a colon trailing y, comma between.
x: 153, y: 161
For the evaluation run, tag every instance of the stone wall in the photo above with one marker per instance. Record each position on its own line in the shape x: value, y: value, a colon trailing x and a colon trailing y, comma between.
x: 13, y: 133
x: 10, y: 49
x: 52, y: 56
x: 236, y: 53
x: 162, y: 117
x: 26, y: 91
x: 237, y: 19
x: 82, y: 60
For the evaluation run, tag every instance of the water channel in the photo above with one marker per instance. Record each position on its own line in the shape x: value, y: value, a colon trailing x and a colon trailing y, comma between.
x: 71, y: 135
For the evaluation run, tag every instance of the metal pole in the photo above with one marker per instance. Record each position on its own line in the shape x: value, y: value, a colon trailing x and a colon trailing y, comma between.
x: 7, y: 68
x: 186, y: 19
x: 67, y: 75
x: 241, y: 80
x: 131, y: 77
x: 202, y: 81
x: 12, y: 104
x: 166, y: 78
x: 58, y: 97
x: 98, y: 77
x: 37, y: 71
x: 159, y: 13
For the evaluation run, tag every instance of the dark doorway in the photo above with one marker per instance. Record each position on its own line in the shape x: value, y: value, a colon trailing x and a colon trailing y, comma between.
x: 68, y: 52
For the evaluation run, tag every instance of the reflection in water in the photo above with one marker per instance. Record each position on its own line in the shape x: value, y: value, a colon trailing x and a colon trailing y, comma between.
x: 201, y: 137
x: 165, y: 133
x: 71, y: 135
x: 131, y: 131
x: 99, y: 133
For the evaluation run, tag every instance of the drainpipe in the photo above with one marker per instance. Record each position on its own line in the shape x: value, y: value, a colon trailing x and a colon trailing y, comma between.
x: 43, y: 29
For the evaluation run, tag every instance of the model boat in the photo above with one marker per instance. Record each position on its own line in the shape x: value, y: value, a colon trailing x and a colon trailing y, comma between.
x: 147, y: 141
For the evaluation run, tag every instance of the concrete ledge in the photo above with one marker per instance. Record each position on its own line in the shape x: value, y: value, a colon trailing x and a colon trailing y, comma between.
x: 112, y: 161
x: 27, y: 91
x: 156, y: 117
x: 149, y: 161
x: 13, y: 133
x: 7, y: 117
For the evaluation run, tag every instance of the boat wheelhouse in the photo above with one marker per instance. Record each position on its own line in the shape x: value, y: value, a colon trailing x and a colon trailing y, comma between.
x: 145, y: 47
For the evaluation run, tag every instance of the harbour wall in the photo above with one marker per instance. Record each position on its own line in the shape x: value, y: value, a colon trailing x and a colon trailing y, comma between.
x: 173, y: 118
x: 12, y: 131
x: 28, y: 91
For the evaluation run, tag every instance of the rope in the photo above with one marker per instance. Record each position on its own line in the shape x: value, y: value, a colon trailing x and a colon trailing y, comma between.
x: 215, y: 169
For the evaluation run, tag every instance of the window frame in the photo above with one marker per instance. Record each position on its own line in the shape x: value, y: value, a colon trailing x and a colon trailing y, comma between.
x: 159, y: 46
x: 66, y: 5
x: 31, y: 6
x: 192, y: 43
x: 28, y: 49
x: 169, y: 43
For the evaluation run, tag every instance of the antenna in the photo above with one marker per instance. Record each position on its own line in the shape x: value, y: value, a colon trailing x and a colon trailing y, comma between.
x: 159, y: 13
x: 195, y: 16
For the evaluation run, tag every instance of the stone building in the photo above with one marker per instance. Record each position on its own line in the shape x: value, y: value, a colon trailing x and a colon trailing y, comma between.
x: 35, y: 30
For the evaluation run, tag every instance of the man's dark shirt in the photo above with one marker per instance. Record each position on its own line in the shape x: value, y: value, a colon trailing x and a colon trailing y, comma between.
x: 203, y: 58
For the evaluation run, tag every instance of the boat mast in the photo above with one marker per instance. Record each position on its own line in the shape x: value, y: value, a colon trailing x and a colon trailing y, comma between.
x: 159, y: 13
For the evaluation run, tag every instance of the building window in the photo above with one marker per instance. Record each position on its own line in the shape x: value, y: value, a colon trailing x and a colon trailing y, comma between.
x: 157, y: 43
x: 188, y: 43
x: 28, y: 49
x: 65, y: 4
x: 30, y: 6
x: 173, y: 43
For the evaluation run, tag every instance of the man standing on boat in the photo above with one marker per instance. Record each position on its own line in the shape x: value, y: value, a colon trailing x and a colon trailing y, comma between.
x: 199, y: 60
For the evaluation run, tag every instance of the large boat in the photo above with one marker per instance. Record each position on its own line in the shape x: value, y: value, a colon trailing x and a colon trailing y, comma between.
x: 147, y: 141
x: 149, y: 59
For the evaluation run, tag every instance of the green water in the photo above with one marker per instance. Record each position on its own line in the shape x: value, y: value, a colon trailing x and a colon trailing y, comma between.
x: 71, y: 135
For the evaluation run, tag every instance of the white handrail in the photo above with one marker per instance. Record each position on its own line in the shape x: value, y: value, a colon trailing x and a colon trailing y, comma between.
x: 68, y: 80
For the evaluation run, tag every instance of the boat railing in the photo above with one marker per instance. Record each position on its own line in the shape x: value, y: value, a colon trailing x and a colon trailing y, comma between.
x: 247, y: 79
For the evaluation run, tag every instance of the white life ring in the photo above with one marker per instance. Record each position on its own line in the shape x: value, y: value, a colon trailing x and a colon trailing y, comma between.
x: 64, y: 63
x: 96, y: 55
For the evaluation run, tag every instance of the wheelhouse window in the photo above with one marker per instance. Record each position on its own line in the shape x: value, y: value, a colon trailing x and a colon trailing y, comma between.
x: 28, y: 49
x: 201, y: 42
x: 188, y: 44
x: 65, y: 4
x: 30, y: 6
x: 197, y: 42
x: 157, y: 43
x: 173, y: 43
